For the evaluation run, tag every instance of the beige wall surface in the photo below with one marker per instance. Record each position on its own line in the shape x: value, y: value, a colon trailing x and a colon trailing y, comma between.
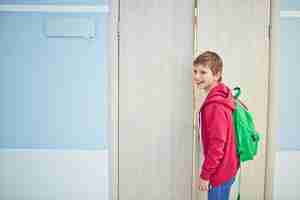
x: 238, y: 31
x: 155, y: 109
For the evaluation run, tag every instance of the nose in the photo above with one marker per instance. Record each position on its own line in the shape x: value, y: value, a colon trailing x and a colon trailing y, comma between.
x: 196, y: 76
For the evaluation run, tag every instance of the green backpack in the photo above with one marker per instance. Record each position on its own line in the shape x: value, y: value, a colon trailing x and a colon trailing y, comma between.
x: 247, y: 138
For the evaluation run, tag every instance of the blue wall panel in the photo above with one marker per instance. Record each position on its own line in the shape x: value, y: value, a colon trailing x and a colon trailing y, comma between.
x: 53, y: 1
x: 289, y: 109
x: 289, y: 5
x: 52, y: 89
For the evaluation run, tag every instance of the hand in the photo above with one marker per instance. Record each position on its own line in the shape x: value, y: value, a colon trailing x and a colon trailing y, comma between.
x: 201, y: 184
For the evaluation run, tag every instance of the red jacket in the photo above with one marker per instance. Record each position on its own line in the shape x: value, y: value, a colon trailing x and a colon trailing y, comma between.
x: 218, y: 137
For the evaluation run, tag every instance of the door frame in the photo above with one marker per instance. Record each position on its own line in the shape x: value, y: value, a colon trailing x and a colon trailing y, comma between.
x: 113, y: 96
x: 273, y: 96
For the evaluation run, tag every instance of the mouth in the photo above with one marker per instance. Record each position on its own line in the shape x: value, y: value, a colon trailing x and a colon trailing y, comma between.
x: 199, y: 84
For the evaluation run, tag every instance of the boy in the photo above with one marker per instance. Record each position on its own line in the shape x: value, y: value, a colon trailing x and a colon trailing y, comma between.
x: 221, y: 162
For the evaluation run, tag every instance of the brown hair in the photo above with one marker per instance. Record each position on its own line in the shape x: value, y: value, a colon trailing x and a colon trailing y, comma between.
x: 211, y: 60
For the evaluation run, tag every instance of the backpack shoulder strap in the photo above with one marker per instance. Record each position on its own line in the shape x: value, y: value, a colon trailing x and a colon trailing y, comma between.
x: 237, y: 92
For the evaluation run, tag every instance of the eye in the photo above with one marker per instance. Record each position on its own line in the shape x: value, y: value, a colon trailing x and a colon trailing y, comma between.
x: 195, y: 71
x: 203, y: 72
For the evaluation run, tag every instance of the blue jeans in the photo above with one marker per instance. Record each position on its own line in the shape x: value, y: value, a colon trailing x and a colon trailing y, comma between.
x: 221, y: 192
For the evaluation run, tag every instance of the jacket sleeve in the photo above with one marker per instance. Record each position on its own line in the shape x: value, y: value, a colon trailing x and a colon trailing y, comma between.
x: 214, y: 124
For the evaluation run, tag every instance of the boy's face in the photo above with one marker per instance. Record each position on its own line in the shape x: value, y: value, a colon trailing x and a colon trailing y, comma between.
x: 204, y: 78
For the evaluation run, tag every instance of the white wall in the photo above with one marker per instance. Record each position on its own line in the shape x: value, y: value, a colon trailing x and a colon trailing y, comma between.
x: 287, y: 176
x: 53, y: 175
x: 287, y: 160
x: 40, y: 166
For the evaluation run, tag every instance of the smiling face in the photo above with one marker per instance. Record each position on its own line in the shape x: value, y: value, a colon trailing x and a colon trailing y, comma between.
x: 204, y: 78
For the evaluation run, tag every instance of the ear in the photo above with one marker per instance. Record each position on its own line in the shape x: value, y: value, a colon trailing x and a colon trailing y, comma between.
x: 217, y: 76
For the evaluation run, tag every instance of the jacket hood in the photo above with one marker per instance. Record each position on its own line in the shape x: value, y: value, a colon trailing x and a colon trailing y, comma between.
x: 220, y: 94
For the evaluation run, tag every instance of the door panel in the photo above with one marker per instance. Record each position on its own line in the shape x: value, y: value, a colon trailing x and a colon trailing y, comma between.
x: 238, y: 31
x: 155, y: 116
